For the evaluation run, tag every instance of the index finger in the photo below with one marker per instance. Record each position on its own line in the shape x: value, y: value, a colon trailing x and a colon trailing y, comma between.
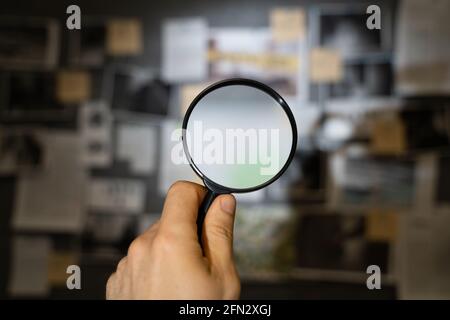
x: 181, y: 208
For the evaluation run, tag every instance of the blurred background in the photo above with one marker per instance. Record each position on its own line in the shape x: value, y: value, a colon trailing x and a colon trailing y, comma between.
x: 86, y: 118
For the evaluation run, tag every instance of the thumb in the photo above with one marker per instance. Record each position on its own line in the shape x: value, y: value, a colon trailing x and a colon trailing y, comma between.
x: 218, y: 232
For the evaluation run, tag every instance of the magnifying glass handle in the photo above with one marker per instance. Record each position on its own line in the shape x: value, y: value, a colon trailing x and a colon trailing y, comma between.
x: 206, y: 203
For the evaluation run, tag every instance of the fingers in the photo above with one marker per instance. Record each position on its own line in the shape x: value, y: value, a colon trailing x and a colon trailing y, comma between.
x: 115, y: 282
x: 181, y: 208
x: 111, y: 291
x: 151, y: 230
x: 218, y: 232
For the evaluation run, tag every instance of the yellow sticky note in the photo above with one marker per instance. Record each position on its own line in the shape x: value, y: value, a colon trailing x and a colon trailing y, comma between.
x: 73, y: 86
x: 325, y: 65
x: 287, y: 25
x: 57, y: 267
x: 381, y: 225
x: 124, y: 37
x: 388, y: 136
x: 282, y: 63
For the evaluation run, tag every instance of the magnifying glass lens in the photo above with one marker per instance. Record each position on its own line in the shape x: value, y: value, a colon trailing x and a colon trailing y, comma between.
x: 239, y: 137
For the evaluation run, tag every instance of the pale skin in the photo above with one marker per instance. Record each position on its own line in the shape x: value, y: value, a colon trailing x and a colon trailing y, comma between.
x: 167, y: 261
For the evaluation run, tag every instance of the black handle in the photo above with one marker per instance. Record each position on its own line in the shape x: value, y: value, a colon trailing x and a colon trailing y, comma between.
x: 206, y: 203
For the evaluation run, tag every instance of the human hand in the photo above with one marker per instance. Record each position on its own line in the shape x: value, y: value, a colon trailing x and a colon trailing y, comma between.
x: 167, y: 261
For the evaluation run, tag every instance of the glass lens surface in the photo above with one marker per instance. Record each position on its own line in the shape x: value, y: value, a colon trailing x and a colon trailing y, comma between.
x: 238, y: 136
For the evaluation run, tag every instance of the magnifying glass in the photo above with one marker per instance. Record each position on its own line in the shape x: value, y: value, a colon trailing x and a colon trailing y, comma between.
x: 239, y: 135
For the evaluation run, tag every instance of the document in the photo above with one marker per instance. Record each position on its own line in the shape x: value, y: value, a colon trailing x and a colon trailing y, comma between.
x: 325, y: 65
x: 109, y: 229
x: 252, y: 53
x: 124, y: 37
x: 29, y: 266
x: 255, y: 196
x: 172, y: 149
x: 358, y: 181
x: 184, y: 50
x: 422, y: 52
x: 423, y: 257
x: 382, y: 225
x: 52, y: 199
x: 388, y: 135
x: 117, y: 195
x: 287, y: 24
x: 30, y: 43
x: 73, y: 86
x: 137, y: 144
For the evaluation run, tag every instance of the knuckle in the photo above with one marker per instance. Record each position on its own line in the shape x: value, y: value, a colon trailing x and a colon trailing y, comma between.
x: 109, y: 282
x: 121, y: 265
x: 154, y: 226
x: 110, y: 285
x: 178, y: 186
x: 152, y: 229
x: 137, y: 247
x: 163, y: 242
x: 184, y: 187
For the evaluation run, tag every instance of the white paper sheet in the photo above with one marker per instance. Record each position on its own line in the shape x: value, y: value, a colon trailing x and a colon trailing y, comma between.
x: 255, y: 196
x: 95, y: 125
x: 306, y: 119
x: 106, y: 228
x: 252, y: 53
x: 137, y: 145
x: 29, y: 266
x: 117, y: 195
x: 423, y: 51
x: 52, y: 199
x: 170, y: 171
x: 184, y: 50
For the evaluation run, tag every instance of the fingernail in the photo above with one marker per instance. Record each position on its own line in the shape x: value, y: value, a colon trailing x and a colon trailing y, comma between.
x: 228, y: 204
